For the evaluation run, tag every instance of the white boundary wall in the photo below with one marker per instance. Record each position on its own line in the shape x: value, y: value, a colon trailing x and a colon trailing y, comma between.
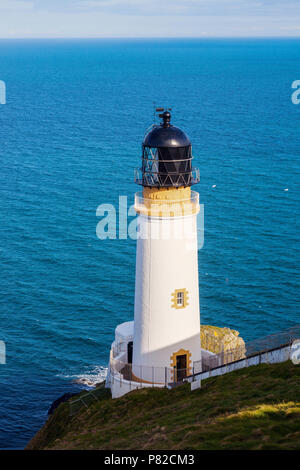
x: 269, y: 357
x: 120, y: 387
x: 117, y: 384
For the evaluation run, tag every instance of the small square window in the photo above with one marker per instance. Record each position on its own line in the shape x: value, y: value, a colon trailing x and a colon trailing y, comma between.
x: 180, y: 299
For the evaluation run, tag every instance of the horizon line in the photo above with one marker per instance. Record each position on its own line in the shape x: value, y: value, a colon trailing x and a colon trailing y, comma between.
x: 144, y: 37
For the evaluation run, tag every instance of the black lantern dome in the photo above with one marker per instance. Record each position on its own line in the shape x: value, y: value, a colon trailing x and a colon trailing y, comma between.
x: 166, y: 135
x: 167, y: 157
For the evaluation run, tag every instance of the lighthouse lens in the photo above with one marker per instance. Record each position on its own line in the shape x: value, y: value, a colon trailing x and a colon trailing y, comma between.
x: 174, y: 160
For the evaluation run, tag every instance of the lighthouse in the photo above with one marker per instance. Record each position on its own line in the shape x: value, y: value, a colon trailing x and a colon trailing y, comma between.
x: 162, y: 344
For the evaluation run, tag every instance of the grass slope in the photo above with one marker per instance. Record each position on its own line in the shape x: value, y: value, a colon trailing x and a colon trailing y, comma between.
x: 253, y: 408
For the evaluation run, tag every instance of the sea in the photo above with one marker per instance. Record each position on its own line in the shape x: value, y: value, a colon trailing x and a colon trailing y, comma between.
x: 70, y: 138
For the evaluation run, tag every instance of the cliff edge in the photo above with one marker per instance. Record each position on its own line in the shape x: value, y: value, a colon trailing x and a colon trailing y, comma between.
x: 253, y: 408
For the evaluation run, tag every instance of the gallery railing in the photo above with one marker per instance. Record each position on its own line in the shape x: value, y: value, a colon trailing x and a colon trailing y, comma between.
x: 154, y: 177
x: 150, y: 375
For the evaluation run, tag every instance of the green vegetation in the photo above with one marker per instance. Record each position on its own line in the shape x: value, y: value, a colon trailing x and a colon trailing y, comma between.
x: 253, y: 408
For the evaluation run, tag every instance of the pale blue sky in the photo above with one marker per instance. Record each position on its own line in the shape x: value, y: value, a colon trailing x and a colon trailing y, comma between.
x: 149, y: 18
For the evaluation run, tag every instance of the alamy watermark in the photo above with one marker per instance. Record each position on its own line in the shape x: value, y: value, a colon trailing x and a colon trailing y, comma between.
x: 295, y: 352
x: 296, y: 95
x: 2, y: 92
x: 2, y: 353
x: 123, y: 222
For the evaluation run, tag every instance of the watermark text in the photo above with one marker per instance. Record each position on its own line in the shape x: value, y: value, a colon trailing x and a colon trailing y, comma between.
x: 2, y: 353
x: 295, y: 352
x: 296, y: 95
x: 168, y: 222
x: 2, y: 92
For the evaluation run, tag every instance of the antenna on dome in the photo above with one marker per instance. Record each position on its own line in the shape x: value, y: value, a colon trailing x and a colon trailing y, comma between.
x: 159, y: 109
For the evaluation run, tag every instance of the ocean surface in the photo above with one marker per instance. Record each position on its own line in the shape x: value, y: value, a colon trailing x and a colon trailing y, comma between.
x: 70, y: 138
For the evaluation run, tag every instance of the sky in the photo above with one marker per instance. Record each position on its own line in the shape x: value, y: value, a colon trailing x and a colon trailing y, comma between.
x: 149, y: 18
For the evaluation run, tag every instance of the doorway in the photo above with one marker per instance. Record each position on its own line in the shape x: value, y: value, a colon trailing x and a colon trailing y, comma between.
x: 181, y: 363
x: 129, y: 352
x: 181, y: 367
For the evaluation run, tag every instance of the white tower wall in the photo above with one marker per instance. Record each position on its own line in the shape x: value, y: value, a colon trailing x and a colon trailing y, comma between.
x: 166, y: 261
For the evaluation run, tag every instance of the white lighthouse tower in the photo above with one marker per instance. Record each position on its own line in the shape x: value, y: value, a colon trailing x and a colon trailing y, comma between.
x: 162, y: 344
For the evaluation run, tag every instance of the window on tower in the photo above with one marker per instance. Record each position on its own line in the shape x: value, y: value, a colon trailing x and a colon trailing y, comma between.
x: 179, y: 298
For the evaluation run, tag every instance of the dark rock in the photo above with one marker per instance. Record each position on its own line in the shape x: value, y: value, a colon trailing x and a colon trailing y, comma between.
x: 58, y: 401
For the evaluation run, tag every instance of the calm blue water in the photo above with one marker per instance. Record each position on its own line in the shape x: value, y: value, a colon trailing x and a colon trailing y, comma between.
x: 70, y: 138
